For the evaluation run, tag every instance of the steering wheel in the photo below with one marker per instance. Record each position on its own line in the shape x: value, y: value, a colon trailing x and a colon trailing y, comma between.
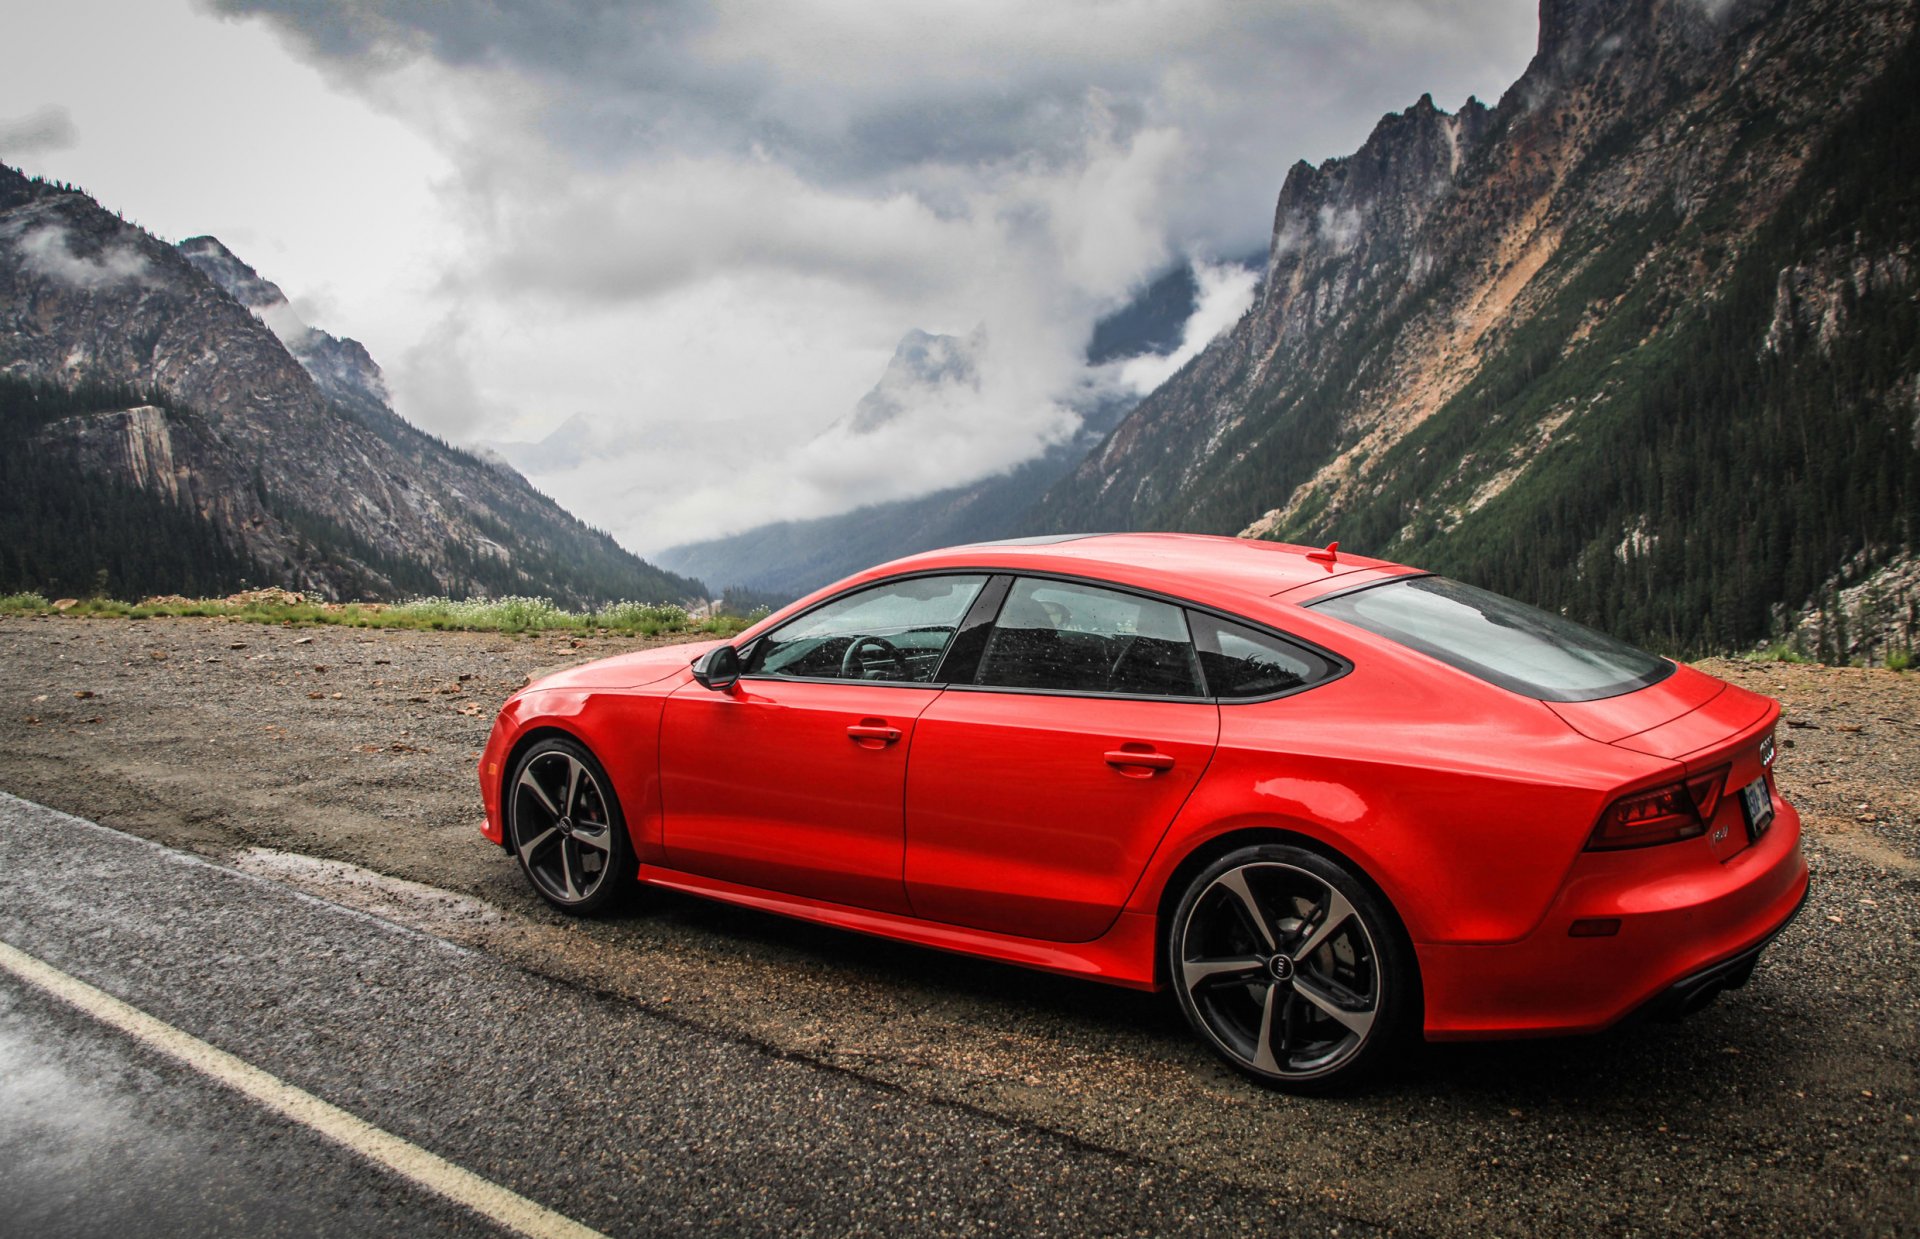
x: 855, y: 666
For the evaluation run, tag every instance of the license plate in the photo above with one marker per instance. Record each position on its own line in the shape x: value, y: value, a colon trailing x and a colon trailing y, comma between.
x: 1759, y: 806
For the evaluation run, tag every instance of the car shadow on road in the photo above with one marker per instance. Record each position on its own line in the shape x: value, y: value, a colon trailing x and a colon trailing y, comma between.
x: 932, y: 973
x: 1738, y: 1043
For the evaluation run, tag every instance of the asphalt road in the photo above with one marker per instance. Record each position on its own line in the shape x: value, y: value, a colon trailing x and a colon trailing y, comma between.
x: 625, y: 1121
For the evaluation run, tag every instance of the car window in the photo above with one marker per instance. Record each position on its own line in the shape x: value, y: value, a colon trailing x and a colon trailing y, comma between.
x: 1078, y: 638
x: 1520, y: 648
x: 1245, y: 662
x: 896, y: 630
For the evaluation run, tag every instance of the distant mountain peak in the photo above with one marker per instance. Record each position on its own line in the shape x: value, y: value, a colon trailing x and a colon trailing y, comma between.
x: 159, y: 431
x: 230, y: 272
x: 342, y: 367
x: 924, y: 367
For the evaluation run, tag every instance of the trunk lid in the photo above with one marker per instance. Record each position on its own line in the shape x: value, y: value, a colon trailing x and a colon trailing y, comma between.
x: 1613, y: 719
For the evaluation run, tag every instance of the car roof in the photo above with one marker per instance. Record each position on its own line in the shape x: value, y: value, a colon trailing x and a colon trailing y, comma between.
x: 1194, y: 565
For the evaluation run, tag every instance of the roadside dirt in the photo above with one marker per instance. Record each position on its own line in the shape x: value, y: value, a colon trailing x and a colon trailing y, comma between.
x: 340, y: 761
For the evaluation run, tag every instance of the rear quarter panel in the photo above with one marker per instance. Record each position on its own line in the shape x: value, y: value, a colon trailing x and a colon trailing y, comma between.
x: 1464, y: 803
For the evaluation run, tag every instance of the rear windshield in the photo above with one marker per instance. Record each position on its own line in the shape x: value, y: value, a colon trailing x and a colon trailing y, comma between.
x: 1518, y: 647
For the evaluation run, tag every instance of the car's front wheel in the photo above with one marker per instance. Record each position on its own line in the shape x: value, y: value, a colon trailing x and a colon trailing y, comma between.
x: 565, y: 827
x: 1291, y: 968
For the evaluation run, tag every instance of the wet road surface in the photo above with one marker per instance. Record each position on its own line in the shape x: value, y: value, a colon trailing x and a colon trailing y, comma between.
x: 625, y: 1121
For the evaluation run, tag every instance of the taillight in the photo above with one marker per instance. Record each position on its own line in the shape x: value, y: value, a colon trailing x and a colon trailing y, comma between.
x: 1661, y: 815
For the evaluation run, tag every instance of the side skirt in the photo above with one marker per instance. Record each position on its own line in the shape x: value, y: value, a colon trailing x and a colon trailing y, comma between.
x: 1124, y: 955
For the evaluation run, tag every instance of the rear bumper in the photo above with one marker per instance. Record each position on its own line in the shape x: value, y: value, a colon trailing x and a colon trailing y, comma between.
x: 1689, y: 994
x: 1687, y: 931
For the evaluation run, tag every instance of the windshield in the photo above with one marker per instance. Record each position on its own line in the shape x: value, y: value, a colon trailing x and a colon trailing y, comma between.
x: 1520, y: 648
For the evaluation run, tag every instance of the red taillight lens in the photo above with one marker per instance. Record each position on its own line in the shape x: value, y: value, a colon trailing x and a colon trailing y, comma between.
x: 1661, y: 815
x: 1706, y: 790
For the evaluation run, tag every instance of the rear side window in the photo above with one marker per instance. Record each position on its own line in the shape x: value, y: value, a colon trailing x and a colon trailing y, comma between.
x: 1518, y: 647
x: 1066, y: 637
x: 1243, y: 662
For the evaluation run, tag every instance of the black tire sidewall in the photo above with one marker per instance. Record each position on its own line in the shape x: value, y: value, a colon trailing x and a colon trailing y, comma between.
x: 621, y: 865
x: 1398, y: 1013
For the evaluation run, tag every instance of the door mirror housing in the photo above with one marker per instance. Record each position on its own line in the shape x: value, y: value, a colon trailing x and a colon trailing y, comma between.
x: 718, y: 669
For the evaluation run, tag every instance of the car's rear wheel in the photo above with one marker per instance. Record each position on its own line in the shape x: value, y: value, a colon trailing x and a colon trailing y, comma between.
x: 565, y: 826
x: 1291, y: 968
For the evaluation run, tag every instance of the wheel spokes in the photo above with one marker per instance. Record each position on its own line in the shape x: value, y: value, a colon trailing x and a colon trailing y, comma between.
x: 574, y: 771
x: 531, y: 784
x: 593, y: 835
x: 539, y: 841
x: 1338, y: 911
x: 568, y: 851
x: 1197, y: 972
x: 1235, y: 882
x: 1263, y: 1040
x: 1355, y: 1021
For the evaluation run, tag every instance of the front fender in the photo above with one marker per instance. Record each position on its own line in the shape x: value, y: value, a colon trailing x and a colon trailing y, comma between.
x: 620, y: 728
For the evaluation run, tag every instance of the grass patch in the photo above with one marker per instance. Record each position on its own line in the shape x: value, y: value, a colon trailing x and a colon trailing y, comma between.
x: 508, y: 615
x: 1778, y: 652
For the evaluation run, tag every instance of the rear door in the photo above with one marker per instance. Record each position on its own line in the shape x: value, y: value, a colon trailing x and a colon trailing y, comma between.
x: 1037, y: 792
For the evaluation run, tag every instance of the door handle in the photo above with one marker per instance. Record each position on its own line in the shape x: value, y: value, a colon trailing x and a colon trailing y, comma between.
x: 1140, y: 757
x: 873, y: 735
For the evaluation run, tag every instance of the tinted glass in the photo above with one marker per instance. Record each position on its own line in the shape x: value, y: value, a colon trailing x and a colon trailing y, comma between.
x: 894, y: 631
x: 1504, y: 642
x: 1077, y: 638
x: 1244, y: 662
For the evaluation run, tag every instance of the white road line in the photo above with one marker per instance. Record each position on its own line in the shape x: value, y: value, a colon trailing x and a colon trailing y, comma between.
x: 436, y: 1174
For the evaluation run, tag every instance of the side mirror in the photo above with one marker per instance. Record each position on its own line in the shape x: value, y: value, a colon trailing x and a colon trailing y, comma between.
x: 718, y: 668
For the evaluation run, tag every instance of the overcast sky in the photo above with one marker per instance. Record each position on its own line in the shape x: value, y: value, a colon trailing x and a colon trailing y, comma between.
x: 704, y: 227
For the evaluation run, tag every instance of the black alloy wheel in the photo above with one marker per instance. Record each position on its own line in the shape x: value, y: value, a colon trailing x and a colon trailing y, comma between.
x: 1291, y: 968
x: 565, y: 826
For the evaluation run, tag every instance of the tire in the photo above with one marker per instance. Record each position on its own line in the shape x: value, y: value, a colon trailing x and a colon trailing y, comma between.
x: 564, y: 826
x: 1292, y: 969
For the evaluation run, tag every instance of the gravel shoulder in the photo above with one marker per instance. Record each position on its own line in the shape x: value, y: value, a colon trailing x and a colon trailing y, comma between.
x: 340, y: 761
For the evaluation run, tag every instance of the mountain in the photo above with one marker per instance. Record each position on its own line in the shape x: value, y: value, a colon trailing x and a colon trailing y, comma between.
x: 786, y: 559
x: 157, y: 397
x: 1639, y: 342
x: 342, y: 369
x: 924, y: 369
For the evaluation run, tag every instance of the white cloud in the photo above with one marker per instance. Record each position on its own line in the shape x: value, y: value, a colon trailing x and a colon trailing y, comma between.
x: 48, y: 251
x: 1225, y: 293
x: 49, y: 128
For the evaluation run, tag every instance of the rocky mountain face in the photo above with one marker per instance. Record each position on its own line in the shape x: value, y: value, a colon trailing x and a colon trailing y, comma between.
x: 342, y: 368
x: 307, y: 476
x: 1636, y: 342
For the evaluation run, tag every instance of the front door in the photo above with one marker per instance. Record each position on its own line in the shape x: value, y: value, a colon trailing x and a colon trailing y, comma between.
x: 793, y: 781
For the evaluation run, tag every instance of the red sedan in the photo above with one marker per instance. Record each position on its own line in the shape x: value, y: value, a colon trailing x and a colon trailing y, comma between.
x: 1329, y: 802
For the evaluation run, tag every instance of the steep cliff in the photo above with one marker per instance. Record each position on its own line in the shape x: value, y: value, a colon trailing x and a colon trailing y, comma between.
x: 1562, y: 345
x: 308, y: 477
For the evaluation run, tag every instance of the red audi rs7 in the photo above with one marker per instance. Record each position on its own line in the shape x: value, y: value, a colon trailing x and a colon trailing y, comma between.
x: 1329, y: 802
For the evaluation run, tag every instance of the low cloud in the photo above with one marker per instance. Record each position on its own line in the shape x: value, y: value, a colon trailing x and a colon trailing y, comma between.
x: 1225, y: 292
x: 434, y: 380
x: 702, y: 228
x: 47, y: 251
x: 39, y: 132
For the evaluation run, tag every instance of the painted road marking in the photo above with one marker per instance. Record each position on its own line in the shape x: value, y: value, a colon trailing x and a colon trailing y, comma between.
x: 410, y: 1161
